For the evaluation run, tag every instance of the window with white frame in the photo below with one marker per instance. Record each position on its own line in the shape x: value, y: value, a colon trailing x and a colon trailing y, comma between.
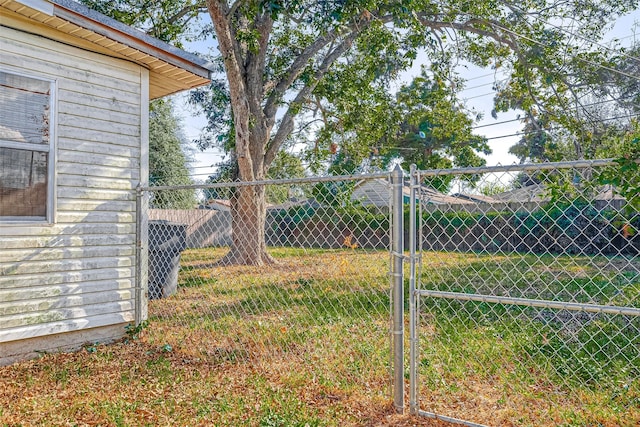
x: 26, y: 141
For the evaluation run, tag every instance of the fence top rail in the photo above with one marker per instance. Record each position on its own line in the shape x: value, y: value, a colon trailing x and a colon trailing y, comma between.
x: 307, y: 180
x: 577, y: 164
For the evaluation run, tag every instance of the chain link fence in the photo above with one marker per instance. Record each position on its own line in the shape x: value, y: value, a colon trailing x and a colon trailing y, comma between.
x: 526, y: 298
x: 523, y: 288
x: 315, y: 310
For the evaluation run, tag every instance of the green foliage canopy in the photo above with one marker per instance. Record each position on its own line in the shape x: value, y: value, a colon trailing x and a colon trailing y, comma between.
x: 301, y: 58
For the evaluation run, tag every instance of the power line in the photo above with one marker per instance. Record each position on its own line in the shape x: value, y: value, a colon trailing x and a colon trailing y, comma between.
x: 203, y: 167
x: 477, y: 87
x: 601, y: 66
x: 587, y: 61
x: 479, y: 96
x: 572, y: 34
x: 499, y: 123
x: 480, y: 77
x: 626, y: 37
x: 307, y: 165
x: 557, y: 128
x: 496, y: 123
x: 606, y: 101
x: 202, y: 174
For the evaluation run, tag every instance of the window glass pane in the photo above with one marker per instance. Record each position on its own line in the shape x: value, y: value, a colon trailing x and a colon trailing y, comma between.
x: 24, y: 109
x: 23, y: 183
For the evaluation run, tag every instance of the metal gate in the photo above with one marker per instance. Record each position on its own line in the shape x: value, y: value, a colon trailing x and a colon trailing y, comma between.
x: 525, y: 296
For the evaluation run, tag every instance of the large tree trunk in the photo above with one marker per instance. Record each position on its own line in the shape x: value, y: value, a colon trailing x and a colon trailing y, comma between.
x: 245, y: 74
x: 248, y: 215
x: 255, y: 108
x: 248, y: 203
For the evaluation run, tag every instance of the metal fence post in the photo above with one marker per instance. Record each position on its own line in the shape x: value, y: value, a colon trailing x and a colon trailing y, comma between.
x: 397, y: 249
x: 138, y: 269
x: 413, y: 338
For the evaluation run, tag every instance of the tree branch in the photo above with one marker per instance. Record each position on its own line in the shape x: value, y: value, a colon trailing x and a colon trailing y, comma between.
x: 196, y: 7
x: 294, y: 71
x: 234, y: 7
x: 286, y: 126
x: 301, y: 61
x: 238, y: 92
x: 256, y: 61
x: 470, y: 26
x: 227, y: 38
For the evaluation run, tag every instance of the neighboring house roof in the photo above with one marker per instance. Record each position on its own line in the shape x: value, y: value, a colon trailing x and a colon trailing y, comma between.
x: 607, y: 192
x: 429, y: 195
x: 375, y: 191
x: 539, y: 193
x: 170, y: 69
x: 223, y: 205
x: 372, y: 192
x: 530, y: 193
x: 477, y: 198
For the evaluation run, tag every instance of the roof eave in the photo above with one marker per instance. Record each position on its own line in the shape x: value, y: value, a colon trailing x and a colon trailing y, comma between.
x: 85, y: 17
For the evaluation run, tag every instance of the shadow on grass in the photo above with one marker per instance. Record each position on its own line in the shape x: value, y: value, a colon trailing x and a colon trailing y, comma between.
x: 336, y: 325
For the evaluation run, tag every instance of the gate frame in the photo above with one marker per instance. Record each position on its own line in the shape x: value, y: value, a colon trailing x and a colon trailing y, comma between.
x: 415, y: 258
x: 397, y: 285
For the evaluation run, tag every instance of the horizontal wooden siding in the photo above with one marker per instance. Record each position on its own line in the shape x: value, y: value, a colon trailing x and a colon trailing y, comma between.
x: 79, y: 272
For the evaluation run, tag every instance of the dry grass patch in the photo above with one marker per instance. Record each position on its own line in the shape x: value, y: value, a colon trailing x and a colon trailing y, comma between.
x: 133, y: 384
x: 305, y: 342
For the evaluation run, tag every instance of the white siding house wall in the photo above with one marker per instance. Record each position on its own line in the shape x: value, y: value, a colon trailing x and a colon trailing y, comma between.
x: 372, y: 192
x: 78, y: 272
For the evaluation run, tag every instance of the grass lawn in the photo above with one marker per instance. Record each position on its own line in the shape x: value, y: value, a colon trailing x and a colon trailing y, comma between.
x: 306, y: 342
x: 514, y: 365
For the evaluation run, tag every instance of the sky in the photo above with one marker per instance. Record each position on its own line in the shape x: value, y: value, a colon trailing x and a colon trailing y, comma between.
x: 477, y: 96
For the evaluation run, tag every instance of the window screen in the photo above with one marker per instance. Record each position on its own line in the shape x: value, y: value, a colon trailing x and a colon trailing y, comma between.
x: 25, y: 131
